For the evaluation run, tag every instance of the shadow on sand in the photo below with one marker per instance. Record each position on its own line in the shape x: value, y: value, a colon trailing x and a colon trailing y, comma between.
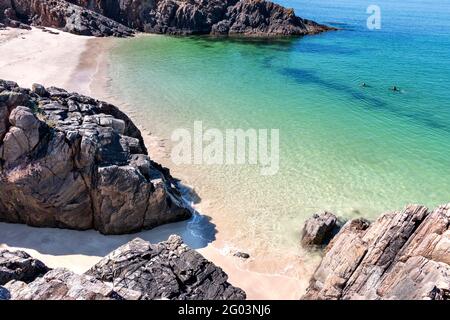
x: 197, y: 233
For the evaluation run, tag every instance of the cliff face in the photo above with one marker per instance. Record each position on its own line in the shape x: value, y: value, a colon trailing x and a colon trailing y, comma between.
x: 221, y: 17
x: 70, y: 161
x: 60, y: 14
x: 136, y: 271
x: 402, y: 255
x: 177, y: 17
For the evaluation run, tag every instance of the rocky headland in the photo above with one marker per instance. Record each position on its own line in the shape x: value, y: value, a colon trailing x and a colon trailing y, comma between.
x: 136, y: 271
x: 175, y: 17
x: 403, y: 255
x: 70, y: 161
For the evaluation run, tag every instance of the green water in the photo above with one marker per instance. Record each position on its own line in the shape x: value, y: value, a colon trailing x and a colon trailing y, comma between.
x: 356, y: 151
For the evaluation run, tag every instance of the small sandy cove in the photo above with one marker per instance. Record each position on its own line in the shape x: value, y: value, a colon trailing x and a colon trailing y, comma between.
x: 78, y: 64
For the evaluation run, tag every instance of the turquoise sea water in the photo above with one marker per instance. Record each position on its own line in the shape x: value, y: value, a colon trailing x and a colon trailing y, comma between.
x: 349, y: 149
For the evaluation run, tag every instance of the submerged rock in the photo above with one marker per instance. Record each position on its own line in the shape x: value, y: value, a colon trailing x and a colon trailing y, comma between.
x: 319, y: 229
x: 402, y: 255
x: 241, y: 255
x: 20, y: 266
x: 168, y: 270
x: 179, y: 17
x: 70, y: 161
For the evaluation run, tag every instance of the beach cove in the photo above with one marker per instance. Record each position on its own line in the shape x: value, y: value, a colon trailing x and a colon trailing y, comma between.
x: 353, y: 150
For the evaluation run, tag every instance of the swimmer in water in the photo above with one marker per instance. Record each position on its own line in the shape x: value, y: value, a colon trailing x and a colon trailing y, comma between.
x: 394, y: 88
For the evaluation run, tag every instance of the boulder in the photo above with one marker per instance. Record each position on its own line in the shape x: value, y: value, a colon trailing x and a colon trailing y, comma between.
x: 168, y: 270
x: 19, y: 266
x: 70, y: 161
x: 402, y: 255
x: 319, y: 229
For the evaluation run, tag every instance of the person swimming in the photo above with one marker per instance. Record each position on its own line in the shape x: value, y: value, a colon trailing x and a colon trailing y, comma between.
x: 395, y: 88
x: 365, y: 85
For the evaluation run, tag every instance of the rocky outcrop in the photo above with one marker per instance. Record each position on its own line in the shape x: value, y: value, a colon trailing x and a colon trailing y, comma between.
x: 19, y: 266
x: 319, y: 229
x: 176, y: 17
x: 62, y: 284
x: 167, y: 270
x: 135, y: 271
x: 219, y: 17
x: 60, y: 14
x: 70, y: 161
x: 402, y: 255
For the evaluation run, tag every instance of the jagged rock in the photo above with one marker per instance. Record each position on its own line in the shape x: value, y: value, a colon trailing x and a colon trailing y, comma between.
x: 70, y: 161
x: 60, y: 14
x: 402, y: 255
x: 180, y: 17
x: 62, y: 284
x: 167, y: 270
x: 138, y: 270
x: 20, y: 266
x: 319, y: 229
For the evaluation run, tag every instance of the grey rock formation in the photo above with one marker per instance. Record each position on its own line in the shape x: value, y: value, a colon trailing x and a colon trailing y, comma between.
x: 19, y: 266
x: 178, y: 17
x: 402, y: 255
x: 319, y: 229
x: 136, y: 271
x: 60, y: 14
x: 70, y: 161
x: 167, y: 270
x: 62, y: 284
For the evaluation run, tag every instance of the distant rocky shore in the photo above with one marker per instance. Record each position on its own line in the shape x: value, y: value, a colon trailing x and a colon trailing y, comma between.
x: 136, y: 271
x: 175, y: 17
x: 403, y: 255
x: 70, y: 161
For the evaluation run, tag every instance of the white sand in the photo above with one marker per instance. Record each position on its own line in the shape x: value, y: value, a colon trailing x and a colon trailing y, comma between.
x: 77, y: 64
x: 35, y: 56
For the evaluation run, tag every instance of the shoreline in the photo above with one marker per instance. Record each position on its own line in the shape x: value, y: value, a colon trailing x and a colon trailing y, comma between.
x: 80, y: 64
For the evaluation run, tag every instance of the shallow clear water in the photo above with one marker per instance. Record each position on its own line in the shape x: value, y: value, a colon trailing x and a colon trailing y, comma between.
x: 349, y: 149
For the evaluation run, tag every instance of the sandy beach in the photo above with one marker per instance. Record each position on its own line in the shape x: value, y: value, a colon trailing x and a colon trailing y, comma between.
x: 80, y: 64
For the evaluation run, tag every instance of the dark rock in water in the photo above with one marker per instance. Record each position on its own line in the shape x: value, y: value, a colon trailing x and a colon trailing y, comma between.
x: 166, y: 270
x: 62, y: 284
x: 178, y: 17
x: 242, y: 255
x: 402, y: 255
x: 20, y: 266
x: 70, y: 161
x: 319, y: 229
